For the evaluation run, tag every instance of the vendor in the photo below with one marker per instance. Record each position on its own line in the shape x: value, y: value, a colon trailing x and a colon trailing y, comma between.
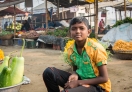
x: 25, y: 26
x: 101, y: 26
x: 5, y: 25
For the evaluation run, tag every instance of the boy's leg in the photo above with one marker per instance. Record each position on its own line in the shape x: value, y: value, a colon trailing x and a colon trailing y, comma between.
x: 54, y: 78
x: 85, y: 89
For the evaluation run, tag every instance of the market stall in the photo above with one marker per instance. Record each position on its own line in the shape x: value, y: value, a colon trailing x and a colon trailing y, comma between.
x: 55, y: 37
x: 120, y: 37
x: 6, y: 35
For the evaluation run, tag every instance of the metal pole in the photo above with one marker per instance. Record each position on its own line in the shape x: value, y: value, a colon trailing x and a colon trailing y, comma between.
x: 105, y: 16
x: 62, y: 13
x: 130, y: 13
x: 90, y: 14
x: 46, y: 16
x: 32, y: 19
x: 121, y: 15
x: 94, y: 13
x: 14, y: 21
x: 96, y: 19
x: 21, y: 19
x: 65, y: 14
x: 42, y: 20
x: 116, y: 14
x: 125, y: 7
x: 58, y: 10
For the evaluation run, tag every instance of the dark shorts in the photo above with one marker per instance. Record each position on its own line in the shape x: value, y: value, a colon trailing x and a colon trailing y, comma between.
x: 53, y: 78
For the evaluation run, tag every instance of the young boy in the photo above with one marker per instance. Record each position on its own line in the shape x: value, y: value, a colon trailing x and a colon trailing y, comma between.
x: 89, y: 61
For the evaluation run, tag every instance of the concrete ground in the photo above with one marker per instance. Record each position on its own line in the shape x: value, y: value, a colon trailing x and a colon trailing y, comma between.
x: 36, y: 60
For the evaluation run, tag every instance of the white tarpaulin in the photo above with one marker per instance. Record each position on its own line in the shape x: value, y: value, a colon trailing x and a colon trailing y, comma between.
x: 122, y: 32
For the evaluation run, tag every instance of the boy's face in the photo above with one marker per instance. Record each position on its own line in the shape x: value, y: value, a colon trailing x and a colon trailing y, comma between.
x: 79, y: 31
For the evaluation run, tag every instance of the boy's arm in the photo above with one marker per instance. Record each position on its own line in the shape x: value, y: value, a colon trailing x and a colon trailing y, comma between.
x: 74, y: 75
x: 102, y: 78
x: 74, y: 68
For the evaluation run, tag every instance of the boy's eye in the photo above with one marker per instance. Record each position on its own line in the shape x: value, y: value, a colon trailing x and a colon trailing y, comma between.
x: 81, y: 28
x: 73, y: 28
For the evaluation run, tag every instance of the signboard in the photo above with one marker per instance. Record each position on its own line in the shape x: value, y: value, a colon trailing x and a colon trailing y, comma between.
x: 103, y: 14
x: 28, y: 3
x: 74, y: 9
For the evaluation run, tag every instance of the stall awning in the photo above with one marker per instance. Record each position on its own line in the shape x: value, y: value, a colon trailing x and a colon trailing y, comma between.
x: 67, y: 3
x: 7, y: 3
x: 121, y: 7
x: 10, y: 11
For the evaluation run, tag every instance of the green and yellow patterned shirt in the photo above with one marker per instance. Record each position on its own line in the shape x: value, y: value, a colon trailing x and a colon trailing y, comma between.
x: 92, y: 56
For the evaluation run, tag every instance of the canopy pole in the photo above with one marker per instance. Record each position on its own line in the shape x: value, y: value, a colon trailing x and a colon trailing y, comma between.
x: 88, y: 10
x: 90, y: 14
x: 62, y: 13
x: 32, y: 23
x: 96, y: 19
x: 58, y: 10
x: 46, y: 16
x: 120, y: 15
x: 21, y: 19
x: 14, y: 21
x: 130, y: 13
x: 125, y: 7
x: 116, y: 15
x: 65, y: 14
x: 95, y: 14
x: 42, y: 20
x: 106, y: 16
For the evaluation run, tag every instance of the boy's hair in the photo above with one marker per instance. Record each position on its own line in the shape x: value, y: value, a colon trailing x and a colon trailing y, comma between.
x: 79, y: 20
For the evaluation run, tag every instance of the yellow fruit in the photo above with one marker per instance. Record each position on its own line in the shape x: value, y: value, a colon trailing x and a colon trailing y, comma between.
x: 1, y: 55
x: 121, y: 45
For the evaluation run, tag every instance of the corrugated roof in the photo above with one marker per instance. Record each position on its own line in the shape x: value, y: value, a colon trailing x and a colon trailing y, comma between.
x: 106, y: 4
x: 2, y: 8
x: 41, y: 8
x: 121, y: 6
x: 10, y: 11
x: 7, y: 3
x: 68, y: 3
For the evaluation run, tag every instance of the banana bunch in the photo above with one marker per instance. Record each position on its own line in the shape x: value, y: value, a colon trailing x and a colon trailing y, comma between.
x: 12, y: 27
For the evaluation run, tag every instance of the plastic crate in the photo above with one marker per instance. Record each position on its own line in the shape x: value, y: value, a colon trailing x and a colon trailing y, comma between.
x: 30, y: 43
x: 17, y: 41
x: 7, y: 42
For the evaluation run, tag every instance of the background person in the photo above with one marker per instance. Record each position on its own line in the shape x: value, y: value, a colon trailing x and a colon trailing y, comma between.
x: 26, y: 26
x: 101, y: 26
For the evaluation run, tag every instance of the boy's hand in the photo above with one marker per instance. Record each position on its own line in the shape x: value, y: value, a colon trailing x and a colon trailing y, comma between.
x: 73, y: 77
x: 71, y: 84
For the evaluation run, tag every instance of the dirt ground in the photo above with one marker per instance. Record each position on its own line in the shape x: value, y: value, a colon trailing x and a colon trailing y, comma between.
x: 36, y: 60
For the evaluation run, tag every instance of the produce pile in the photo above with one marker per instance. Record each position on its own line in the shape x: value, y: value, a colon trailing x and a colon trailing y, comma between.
x: 126, y: 20
x: 3, y: 33
x: 11, y: 27
x: 11, y: 73
x: 30, y: 34
x: 6, y: 35
x: 121, y: 45
x: 60, y: 32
